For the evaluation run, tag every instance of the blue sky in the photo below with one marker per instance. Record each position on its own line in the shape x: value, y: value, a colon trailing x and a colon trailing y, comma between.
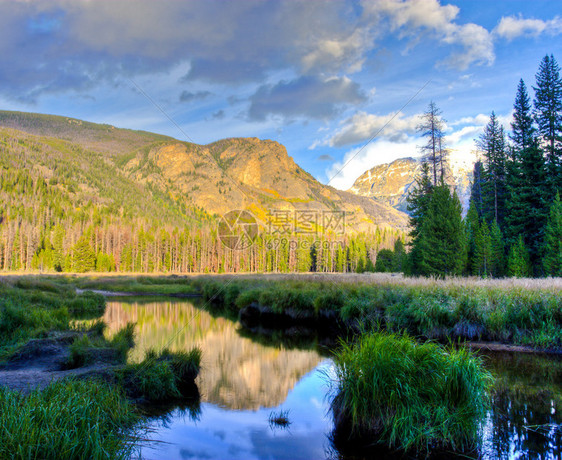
x: 320, y: 77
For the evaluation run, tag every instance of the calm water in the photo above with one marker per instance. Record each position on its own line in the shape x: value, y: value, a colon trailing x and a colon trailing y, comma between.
x: 243, y: 381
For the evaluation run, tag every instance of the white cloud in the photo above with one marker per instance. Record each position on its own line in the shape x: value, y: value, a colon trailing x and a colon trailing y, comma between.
x: 511, y: 27
x: 479, y: 119
x: 468, y: 132
x: 413, y: 17
x: 362, y: 126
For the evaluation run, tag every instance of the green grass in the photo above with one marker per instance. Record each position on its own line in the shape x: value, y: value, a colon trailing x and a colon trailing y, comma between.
x: 68, y: 419
x: 161, y: 376
x: 395, y: 392
x: 159, y: 285
x: 513, y: 315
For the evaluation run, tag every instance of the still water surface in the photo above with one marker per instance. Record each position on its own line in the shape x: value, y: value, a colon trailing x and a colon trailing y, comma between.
x: 243, y: 381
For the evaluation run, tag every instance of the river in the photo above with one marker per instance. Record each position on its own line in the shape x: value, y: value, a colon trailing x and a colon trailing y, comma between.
x: 246, y: 380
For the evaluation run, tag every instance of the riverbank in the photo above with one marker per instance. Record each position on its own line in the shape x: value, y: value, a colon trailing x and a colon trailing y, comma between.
x: 59, y: 374
x: 525, y: 313
x: 492, y: 313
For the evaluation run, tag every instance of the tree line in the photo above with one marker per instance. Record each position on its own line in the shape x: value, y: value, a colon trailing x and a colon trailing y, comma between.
x: 514, y: 222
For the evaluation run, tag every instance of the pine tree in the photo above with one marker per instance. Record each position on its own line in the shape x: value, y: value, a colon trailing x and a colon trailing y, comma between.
x: 471, y: 227
x: 527, y: 185
x: 399, y: 257
x: 494, y: 187
x: 83, y: 256
x: 482, y: 261
x: 58, y: 250
x: 434, y: 150
x: 497, y: 246
x: 441, y: 239
x: 476, y: 195
x: 418, y: 206
x: 385, y: 258
x: 522, y: 129
x: 552, y: 258
x: 518, y: 263
x: 548, y: 116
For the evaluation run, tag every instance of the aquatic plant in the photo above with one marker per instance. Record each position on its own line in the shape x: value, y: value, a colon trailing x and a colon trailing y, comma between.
x: 395, y: 392
x: 279, y: 419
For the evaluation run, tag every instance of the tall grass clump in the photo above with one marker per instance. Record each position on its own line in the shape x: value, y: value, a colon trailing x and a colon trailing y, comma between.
x: 124, y: 340
x: 163, y: 376
x: 395, y: 393
x: 68, y: 419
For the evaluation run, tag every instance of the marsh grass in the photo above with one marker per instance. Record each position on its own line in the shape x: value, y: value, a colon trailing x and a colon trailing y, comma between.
x: 527, y: 312
x: 124, y: 340
x: 68, y: 419
x: 161, y: 377
x: 171, y: 285
x: 392, y: 391
x: 32, y: 308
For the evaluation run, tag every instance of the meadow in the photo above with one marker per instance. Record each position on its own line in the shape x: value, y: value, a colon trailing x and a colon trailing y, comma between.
x: 381, y: 313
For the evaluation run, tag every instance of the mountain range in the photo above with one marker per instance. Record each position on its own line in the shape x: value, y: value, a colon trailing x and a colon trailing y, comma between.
x: 146, y: 174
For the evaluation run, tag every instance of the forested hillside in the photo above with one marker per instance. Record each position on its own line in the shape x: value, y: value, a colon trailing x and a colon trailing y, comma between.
x: 77, y: 196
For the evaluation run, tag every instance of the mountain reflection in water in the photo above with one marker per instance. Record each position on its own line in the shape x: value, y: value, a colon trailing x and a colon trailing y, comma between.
x: 242, y: 382
x: 236, y: 373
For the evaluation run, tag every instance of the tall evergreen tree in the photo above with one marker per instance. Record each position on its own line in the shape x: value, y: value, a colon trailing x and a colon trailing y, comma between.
x: 548, y: 116
x: 518, y: 263
x: 471, y: 227
x: 476, y: 198
x: 83, y: 256
x: 494, y: 187
x: 418, y: 206
x: 552, y: 257
x: 497, y: 246
x: 522, y: 129
x: 441, y: 239
x: 527, y: 182
x: 399, y: 259
x: 482, y: 261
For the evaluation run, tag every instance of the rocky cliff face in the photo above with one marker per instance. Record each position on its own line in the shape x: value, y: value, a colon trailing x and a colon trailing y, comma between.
x: 254, y: 174
x: 391, y: 183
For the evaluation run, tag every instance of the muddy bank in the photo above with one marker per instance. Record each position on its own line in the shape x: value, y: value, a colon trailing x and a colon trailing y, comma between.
x: 328, y: 327
x: 41, y: 361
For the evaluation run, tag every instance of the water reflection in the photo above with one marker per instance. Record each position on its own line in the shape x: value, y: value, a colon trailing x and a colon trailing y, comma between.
x: 527, y: 399
x: 243, y: 380
x: 237, y: 373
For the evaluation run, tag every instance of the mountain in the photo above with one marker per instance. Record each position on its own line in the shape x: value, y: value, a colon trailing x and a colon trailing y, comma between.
x: 183, y: 180
x: 391, y: 183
